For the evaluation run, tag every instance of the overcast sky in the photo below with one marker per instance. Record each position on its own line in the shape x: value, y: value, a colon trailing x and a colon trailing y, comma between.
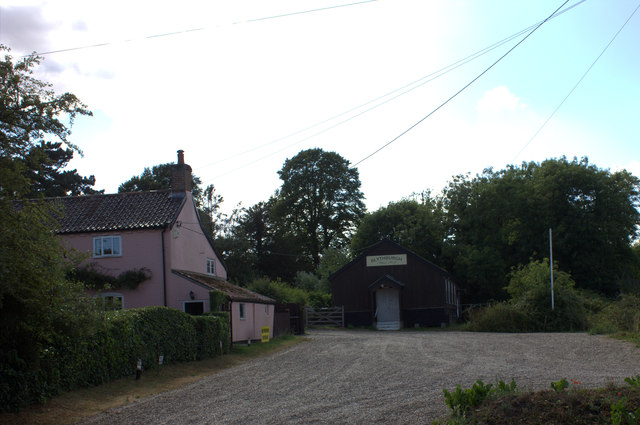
x: 241, y: 86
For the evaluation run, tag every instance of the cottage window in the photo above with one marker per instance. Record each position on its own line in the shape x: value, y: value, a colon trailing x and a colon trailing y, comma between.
x: 195, y: 308
x: 112, y: 301
x: 107, y: 246
x: 211, y: 266
x: 243, y: 310
x: 266, y: 309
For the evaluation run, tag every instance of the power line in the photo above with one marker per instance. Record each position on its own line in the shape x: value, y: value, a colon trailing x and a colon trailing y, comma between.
x: 409, y: 87
x: 174, y: 33
x: 577, y: 84
x: 461, y: 90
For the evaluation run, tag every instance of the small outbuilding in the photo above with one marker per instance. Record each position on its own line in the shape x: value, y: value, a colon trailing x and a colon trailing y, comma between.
x: 390, y: 287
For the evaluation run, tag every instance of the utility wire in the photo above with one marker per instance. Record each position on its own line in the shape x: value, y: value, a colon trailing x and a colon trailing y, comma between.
x: 173, y: 33
x: 461, y: 90
x: 577, y: 84
x: 409, y: 87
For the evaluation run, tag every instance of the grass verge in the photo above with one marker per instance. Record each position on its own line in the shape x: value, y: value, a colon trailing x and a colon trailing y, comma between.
x: 76, y: 405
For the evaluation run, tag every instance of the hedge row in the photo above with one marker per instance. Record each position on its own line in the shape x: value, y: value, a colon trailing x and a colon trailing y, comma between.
x: 111, y: 351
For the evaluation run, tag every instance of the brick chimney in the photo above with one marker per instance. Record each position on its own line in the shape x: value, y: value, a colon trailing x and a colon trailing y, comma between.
x: 180, y: 176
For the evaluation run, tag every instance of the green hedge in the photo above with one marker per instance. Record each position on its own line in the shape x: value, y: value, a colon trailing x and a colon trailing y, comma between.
x: 111, y: 351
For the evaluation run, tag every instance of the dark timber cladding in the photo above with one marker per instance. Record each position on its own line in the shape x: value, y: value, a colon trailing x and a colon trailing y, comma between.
x: 390, y: 287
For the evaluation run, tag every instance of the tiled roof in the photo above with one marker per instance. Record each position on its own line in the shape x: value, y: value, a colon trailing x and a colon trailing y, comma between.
x: 115, y: 212
x: 234, y: 292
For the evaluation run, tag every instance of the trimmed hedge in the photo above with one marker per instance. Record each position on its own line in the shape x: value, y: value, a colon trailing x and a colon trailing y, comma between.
x: 111, y: 352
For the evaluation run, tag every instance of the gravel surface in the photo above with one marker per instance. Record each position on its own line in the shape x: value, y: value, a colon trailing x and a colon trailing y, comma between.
x: 369, y: 377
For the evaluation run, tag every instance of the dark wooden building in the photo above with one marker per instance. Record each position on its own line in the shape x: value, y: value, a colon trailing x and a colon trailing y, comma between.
x: 391, y: 287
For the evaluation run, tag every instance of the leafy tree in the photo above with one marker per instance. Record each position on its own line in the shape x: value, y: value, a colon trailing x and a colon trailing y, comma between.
x: 37, y: 304
x: 319, y: 201
x: 207, y: 200
x: 45, y: 165
x: 271, y: 249
x: 30, y: 115
x: 499, y: 220
x: 415, y: 225
x: 158, y: 177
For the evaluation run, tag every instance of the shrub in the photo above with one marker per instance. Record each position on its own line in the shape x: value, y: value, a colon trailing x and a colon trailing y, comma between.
x: 621, y: 315
x: 110, y: 351
x: 279, y: 291
x: 501, y: 317
x: 462, y: 400
x: 529, y: 309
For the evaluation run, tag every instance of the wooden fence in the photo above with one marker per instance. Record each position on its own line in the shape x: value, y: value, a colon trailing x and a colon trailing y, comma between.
x: 324, y: 316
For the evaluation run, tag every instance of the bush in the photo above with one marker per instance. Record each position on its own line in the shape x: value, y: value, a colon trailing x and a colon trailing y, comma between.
x: 111, y: 351
x: 279, y: 291
x: 529, y: 309
x: 501, y: 317
x: 623, y: 315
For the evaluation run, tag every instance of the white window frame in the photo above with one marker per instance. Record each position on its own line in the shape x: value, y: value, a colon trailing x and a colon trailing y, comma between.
x: 211, y: 266
x: 105, y: 295
x: 266, y: 309
x: 98, y: 241
x: 242, y: 311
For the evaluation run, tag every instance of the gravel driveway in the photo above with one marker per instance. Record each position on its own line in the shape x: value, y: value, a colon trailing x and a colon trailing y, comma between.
x: 368, y: 377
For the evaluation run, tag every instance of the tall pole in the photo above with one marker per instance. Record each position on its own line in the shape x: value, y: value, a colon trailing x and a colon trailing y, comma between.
x: 551, y: 265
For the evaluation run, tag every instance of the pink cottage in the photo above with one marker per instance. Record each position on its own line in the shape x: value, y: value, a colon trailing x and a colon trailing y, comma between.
x: 160, y: 231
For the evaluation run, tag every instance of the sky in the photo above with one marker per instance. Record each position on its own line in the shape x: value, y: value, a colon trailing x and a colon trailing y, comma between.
x: 242, y: 86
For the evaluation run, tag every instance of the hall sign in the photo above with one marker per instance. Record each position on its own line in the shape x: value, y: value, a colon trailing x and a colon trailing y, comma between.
x: 387, y: 260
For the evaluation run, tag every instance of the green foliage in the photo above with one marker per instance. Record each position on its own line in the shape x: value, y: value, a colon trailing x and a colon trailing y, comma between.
x: 461, y: 400
x: 501, y: 317
x: 623, y: 315
x: 621, y: 415
x: 45, y: 165
x: 320, y: 202
x: 216, y: 299
x: 498, y: 220
x: 529, y: 309
x: 417, y: 226
x: 31, y: 115
x: 93, y: 278
x: 279, y: 291
x: 561, y: 385
x: 633, y: 381
x: 110, y: 350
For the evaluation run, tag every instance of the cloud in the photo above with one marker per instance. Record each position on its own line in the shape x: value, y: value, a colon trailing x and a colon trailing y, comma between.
x: 24, y: 28
x: 499, y: 99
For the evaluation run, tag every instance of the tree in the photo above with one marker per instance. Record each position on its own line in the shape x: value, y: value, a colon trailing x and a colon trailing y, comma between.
x: 30, y: 115
x: 500, y: 220
x: 208, y: 202
x: 158, y: 177
x: 45, y: 165
x: 37, y: 303
x: 319, y: 201
x: 417, y: 226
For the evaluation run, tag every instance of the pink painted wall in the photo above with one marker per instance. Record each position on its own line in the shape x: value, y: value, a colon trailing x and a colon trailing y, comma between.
x: 139, y: 249
x: 188, y: 248
x: 251, y: 326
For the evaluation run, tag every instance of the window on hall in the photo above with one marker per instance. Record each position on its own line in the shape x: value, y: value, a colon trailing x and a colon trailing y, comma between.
x: 112, y: 301
x: 243, y: 311
x: 211, y: 266
x: 107, y: 246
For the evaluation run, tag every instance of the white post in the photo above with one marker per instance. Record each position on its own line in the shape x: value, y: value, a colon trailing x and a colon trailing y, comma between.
x: 551, y: 265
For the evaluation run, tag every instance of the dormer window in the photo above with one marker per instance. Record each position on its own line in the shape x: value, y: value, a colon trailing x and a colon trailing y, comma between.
x: 107, y: 246
x: 211, y: 267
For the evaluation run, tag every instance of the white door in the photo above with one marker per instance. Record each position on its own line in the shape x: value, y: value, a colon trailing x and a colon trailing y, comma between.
x: 388, y: 305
